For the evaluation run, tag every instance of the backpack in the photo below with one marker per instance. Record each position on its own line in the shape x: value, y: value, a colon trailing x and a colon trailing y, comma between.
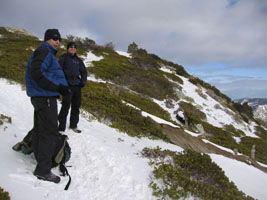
x: 61, y: 155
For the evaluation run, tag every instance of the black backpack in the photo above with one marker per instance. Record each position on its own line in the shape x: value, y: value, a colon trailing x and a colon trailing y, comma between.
x: 61, y: 156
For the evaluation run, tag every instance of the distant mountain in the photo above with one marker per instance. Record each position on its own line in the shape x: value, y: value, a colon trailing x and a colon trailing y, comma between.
x: 259, y: 106
x: 253, y: 102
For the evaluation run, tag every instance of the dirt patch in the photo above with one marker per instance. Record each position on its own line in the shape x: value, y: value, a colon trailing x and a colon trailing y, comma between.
x: 179, y: 137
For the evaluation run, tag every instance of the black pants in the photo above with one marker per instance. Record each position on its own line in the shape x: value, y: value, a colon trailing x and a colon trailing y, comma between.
x: 74, y: 100
x: 45, y: 131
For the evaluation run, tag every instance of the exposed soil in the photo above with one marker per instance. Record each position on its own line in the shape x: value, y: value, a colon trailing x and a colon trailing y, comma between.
x: 179, y: 137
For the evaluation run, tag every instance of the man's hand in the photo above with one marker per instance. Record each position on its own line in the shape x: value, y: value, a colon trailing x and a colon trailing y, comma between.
x: 63, y: 90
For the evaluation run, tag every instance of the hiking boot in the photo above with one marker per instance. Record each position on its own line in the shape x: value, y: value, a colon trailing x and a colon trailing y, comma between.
x: 48, y: 177
x: 76, y: 130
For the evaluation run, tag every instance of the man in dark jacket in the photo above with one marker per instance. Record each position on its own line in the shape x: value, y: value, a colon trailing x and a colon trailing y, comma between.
x: 45, y: 81
x: 76, y: 75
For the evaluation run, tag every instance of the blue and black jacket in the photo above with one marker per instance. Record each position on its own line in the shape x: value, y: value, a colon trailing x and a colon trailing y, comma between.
x: 43, y: 73
x: 74, y: 69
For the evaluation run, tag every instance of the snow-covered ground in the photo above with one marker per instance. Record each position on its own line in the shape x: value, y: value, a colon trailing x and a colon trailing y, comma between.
x: 105, y: 163
x: 217, y: 114
x: 91, y: 57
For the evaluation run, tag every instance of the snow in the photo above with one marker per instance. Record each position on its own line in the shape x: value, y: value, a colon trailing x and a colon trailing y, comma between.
x: 215, y: 116
x: 91, y: 57
x: 158, y: 120
x: 105, y: 163
x: 92, y: 77
x: 124, y: 53
x: 166, y: 69
x: 247, y: 178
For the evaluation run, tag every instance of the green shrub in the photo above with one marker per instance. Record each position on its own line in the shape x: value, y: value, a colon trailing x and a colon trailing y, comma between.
x: 189, y: 173
x: 174, y: 78
x: 108, y: 107
x: 194, y: 115
x: 4, y: 195
x: 261, y: 150
x: 220, y: 136
x: 145, y: 104
x: 245, y: 110
x: 117, y: 69
x: 236, y: 132
x: 197, y: 81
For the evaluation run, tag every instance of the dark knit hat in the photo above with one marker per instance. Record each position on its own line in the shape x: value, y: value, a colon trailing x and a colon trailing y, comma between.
x: 52, y: 34
x: 70, y: 44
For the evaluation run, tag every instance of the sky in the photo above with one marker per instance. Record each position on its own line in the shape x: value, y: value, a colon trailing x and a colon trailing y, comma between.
x: 223, y: 42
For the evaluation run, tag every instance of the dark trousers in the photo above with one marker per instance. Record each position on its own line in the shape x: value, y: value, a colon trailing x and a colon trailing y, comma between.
x: 45, y: 131
x: 74, y: 100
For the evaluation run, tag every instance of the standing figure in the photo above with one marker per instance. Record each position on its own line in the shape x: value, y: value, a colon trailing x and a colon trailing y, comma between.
x: 76, y: 75
x: 45, y: 81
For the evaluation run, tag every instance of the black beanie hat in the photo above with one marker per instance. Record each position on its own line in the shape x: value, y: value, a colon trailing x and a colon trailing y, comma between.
x: 51, y: 33
x: 70, y: 44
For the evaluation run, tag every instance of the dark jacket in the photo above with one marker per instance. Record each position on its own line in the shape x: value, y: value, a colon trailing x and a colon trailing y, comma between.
x: 74, y: 69
x: 43, y: 73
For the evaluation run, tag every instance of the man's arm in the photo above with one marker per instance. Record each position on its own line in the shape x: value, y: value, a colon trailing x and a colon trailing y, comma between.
x: 61, y: 60
x: 83, y: 72
x: 36, y: 73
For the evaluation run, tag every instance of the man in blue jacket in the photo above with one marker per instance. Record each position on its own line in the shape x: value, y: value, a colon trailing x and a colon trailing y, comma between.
x: 76, y: 75
x: 45, y: 81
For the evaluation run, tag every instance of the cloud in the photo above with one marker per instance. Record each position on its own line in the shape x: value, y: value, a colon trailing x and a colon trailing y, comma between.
x: 188, y: 32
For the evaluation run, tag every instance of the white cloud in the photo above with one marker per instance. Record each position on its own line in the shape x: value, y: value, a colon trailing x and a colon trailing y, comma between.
x: 188, y: 32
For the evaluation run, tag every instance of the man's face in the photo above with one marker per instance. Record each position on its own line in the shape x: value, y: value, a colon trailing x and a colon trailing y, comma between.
x: 53, y: 43
x: 72, y: 49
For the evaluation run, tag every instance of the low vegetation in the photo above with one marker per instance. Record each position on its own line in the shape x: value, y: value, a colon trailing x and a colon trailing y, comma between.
x: 189, y: 174
x: 4, y: 195
x: 4, y: 118
x: 109, y: 108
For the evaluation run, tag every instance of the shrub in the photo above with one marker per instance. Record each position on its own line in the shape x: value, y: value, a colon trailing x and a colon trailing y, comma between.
x: 174, y: 78
x: 261, y: 150
x: 220, y: 136
x: 244, y: 109
x: 145, y: 104
x: 117, y: 69
x: 261, y: 132
x: 236, y: 132
x: 132, y: 48
x: 194, y: 115
x: 180, y: 175
x: 105, y: 106
x: 4, y: 195
x: 197, y: 81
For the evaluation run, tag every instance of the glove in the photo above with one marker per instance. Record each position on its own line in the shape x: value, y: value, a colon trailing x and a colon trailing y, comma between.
x: 63, y: 90
x: 81, y: 84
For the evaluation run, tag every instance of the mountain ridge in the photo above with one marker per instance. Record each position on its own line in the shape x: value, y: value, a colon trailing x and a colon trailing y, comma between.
x: 152, y: 84
x: 121, y: 88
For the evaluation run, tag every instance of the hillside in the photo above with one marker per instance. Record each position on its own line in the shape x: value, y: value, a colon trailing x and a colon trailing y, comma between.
x: 128, y: 91
x: 259, y: 106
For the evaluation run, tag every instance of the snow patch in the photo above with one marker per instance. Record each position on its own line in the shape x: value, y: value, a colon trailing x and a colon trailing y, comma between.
x: 122, y: 53
x: 90, y: 57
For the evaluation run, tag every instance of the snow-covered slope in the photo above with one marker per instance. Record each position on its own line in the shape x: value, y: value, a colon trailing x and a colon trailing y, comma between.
x: 105, y: 163
x: 259, y: 106
x: 261, y: 112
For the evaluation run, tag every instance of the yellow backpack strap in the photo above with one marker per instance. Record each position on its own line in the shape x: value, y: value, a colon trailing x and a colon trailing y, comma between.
x: 60, y: 154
